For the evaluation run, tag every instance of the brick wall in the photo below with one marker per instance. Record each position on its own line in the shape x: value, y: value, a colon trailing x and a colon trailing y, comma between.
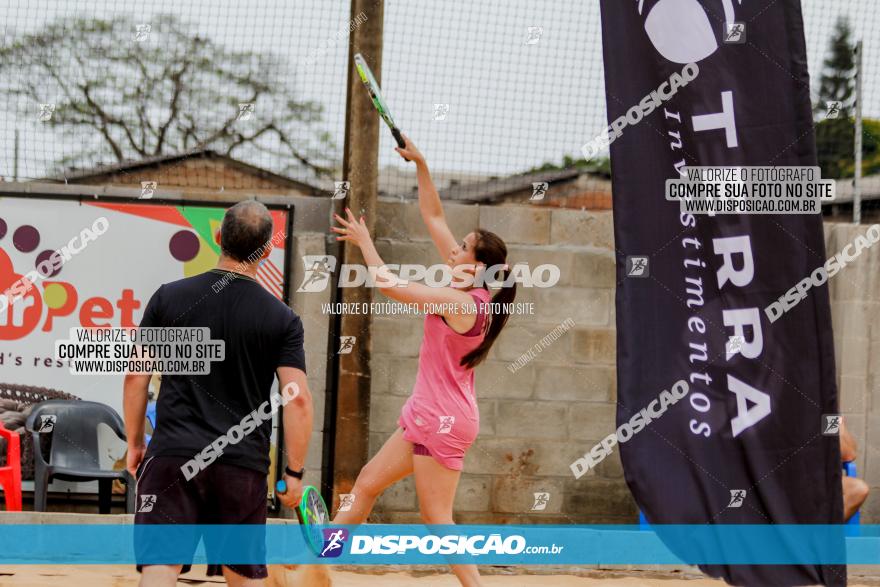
x: 200, y: 175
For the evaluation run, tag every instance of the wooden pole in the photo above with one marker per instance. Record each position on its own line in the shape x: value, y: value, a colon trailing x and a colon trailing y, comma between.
x: 360, y: 169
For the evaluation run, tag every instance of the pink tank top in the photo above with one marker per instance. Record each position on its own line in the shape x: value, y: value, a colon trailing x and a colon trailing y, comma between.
x: 443, y: 404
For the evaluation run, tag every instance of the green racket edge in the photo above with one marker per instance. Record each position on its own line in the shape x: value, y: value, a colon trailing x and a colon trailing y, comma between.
x: 360, y: 64
x: 302, y: 512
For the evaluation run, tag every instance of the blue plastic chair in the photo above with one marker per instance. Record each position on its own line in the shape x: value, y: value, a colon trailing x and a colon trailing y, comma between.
x: 849, y: 468
x: 643, y: 522
x: 151, y: 419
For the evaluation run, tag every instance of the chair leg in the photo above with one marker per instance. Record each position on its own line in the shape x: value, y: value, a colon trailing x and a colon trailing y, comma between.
x: 105, y: 495
x: 41, y: 489
x: 13, y: 494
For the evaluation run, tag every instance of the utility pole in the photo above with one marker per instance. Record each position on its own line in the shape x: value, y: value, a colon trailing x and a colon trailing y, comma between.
x: 857, y: 176
x: 360, y: 168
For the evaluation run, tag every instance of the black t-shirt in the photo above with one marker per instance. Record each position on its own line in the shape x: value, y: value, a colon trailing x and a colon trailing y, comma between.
x: 261, y: 334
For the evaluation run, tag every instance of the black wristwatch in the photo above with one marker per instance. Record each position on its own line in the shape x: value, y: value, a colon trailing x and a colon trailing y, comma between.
x: 294, y: 474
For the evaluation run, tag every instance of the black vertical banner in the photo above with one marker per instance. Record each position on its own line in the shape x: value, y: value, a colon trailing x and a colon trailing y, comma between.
x: 745, y: 446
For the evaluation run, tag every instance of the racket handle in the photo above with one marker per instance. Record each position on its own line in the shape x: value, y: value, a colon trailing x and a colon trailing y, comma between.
x: 281, y: 487
x: 398, y: 137
x: 395, y: 132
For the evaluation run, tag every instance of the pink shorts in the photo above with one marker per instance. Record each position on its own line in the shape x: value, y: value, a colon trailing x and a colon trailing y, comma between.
x: 419, y: 449
x: 448, y: 456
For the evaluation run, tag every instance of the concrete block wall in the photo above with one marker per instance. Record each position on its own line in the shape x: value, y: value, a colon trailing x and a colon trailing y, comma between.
x: 537, y: 420
x: 311, y: 219
x: 855, y: 315
x: 316, y: 326
x: 540, y: 418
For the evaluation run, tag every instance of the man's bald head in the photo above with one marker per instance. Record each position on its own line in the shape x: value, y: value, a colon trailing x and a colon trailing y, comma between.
x: 246, y: 228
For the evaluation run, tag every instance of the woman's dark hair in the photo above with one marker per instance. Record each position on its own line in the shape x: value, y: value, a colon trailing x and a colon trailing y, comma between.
x: 490, y: 250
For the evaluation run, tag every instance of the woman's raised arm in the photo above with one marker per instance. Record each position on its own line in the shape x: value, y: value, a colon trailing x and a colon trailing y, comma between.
x: 429, y: 201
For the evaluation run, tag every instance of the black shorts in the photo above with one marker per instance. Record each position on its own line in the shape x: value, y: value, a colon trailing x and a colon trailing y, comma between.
x: 220, y: 494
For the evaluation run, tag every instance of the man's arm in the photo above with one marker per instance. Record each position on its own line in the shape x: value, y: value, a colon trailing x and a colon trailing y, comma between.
x: 135, y: 394
x: 134, y: 411
x: 297, y: 416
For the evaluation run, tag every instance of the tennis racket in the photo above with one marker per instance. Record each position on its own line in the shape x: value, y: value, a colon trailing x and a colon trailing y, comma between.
x: 312, y: 513
x: 372, y: 86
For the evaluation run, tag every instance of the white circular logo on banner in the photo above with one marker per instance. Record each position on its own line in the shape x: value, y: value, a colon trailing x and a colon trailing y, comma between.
x: 680, y: 31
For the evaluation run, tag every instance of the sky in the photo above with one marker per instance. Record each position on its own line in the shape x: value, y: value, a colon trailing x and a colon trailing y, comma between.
x: 510, y: 104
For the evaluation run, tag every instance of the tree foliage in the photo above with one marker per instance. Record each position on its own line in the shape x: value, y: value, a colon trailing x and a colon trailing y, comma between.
x: 835, y: 136
x: 599, y: 166
x: 118, y: 95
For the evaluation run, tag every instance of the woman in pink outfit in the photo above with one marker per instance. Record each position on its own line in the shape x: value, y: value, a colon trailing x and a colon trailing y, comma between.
x: 440, y: 420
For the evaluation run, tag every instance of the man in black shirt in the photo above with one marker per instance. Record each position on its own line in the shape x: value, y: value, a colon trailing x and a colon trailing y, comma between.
x: 208, y: 459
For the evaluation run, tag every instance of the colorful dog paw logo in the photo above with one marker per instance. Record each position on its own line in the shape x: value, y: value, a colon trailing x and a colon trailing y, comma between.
x: 21, y: 302
x: 26, y: 239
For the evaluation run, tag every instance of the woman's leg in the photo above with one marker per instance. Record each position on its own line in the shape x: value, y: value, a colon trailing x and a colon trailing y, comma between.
x: 435, y: 486
x: 393, y: 462
x: 159, y: 575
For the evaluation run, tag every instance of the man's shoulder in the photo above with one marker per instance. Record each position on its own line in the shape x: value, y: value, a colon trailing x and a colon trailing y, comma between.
x: 269, y: 304
x: 211, y: 282
x: 215, y: 282
x: 284, y: 311
x: 189, y: 282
